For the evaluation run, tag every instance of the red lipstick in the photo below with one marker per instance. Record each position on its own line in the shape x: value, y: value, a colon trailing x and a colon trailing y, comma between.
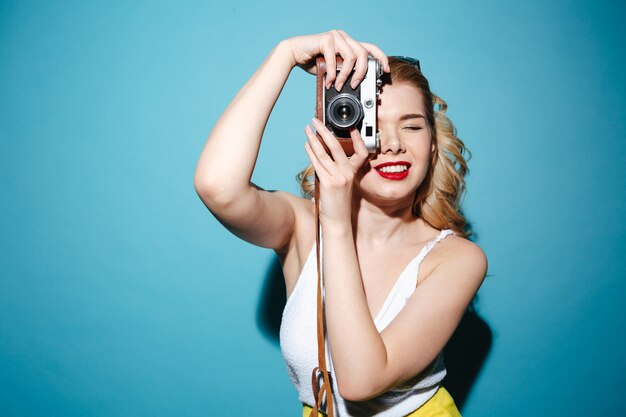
x: 399, y: 171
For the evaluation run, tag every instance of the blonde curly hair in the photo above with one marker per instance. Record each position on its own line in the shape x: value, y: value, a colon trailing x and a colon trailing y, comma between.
x: 438, y: 199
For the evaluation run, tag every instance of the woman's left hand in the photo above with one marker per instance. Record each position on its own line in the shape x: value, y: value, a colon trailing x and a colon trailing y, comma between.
x: 336, y: 172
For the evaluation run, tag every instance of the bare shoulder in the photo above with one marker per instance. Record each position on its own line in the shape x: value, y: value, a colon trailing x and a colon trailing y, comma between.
x: 467, y: 252
x: 461, y: 257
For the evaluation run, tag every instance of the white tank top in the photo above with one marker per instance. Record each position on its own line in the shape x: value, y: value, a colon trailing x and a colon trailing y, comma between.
x: 298, y: 343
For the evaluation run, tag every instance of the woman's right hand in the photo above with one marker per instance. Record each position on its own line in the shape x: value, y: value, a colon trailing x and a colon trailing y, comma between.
x: 330, y: 44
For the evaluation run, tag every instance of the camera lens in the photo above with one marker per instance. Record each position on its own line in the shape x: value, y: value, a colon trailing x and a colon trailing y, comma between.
x: 344, y: 111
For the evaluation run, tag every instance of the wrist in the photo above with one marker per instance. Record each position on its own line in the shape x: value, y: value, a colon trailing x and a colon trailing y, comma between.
x: 336, y: 228
x: 284, y: 49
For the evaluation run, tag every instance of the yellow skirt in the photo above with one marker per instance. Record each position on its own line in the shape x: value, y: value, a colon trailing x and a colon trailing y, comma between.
x: 440, y: 405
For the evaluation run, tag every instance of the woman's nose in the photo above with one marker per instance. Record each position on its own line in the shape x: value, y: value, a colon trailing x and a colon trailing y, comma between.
x: 390, y: 142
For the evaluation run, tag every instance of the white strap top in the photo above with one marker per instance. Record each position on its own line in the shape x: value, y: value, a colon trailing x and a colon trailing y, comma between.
x: 298, y: 342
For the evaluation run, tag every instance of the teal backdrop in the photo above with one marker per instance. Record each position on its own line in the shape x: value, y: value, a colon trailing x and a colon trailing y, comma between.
x: 120, y: 295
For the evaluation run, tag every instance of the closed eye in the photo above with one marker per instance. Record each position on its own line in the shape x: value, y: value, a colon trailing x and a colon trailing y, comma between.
x: 413, y: 128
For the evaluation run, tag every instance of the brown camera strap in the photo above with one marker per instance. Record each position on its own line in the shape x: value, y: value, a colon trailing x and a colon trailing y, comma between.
x: 321, y: 370
x: 320, y: 378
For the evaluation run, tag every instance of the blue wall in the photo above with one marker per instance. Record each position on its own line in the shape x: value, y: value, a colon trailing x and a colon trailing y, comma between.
x: 121, y: 296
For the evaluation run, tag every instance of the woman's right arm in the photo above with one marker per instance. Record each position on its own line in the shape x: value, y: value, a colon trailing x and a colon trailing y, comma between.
x: 224, y: 170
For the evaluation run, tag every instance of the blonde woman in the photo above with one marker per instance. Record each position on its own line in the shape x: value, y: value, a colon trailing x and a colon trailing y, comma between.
x: 398, y: 270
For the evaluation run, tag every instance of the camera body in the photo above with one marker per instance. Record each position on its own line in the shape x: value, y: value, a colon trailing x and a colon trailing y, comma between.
x: 341, y: 110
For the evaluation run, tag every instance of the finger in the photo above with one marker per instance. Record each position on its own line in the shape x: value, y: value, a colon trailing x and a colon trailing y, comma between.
x: 360, y: 66
x: 360, y: 150
x: 349, y: 57
x: 377, y: 53
x: 337, y: 152
x: 321, y: 154
x: 319, y: 170
x: 330, y: 58
x: 323, y: 159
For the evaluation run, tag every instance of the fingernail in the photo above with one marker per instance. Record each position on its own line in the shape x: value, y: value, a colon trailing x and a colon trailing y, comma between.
x: 338, y: 86
x: 315, y: 121
x: 354, y: 83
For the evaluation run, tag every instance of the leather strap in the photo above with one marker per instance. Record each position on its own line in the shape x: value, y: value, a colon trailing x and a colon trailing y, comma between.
x: 323, y: 387
x: 321, y: 370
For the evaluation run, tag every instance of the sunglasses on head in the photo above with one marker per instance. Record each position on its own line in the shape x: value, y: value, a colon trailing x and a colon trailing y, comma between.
x: 409, y: 60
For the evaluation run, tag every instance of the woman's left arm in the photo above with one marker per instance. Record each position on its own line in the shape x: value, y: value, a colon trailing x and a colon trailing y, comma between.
x: 366, y: 362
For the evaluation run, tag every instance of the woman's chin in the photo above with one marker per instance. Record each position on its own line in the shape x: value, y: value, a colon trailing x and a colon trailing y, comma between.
x: 386, y: 192
x: 388, y: 199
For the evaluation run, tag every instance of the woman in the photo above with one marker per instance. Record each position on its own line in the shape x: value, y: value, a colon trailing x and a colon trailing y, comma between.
x: 380, y: 215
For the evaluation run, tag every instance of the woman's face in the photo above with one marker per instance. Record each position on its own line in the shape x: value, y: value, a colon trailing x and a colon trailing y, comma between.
x: 392, y: 176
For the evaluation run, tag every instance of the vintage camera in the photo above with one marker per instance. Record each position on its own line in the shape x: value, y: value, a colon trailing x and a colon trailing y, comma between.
x: 341, y: 110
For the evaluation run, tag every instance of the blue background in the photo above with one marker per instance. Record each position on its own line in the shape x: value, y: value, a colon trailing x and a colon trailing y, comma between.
x: 120, y: 295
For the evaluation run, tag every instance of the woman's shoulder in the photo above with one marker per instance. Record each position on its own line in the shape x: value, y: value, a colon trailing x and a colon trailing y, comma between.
x: 463, y: 246
x: 462, y: 253
x: 458, y: 255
